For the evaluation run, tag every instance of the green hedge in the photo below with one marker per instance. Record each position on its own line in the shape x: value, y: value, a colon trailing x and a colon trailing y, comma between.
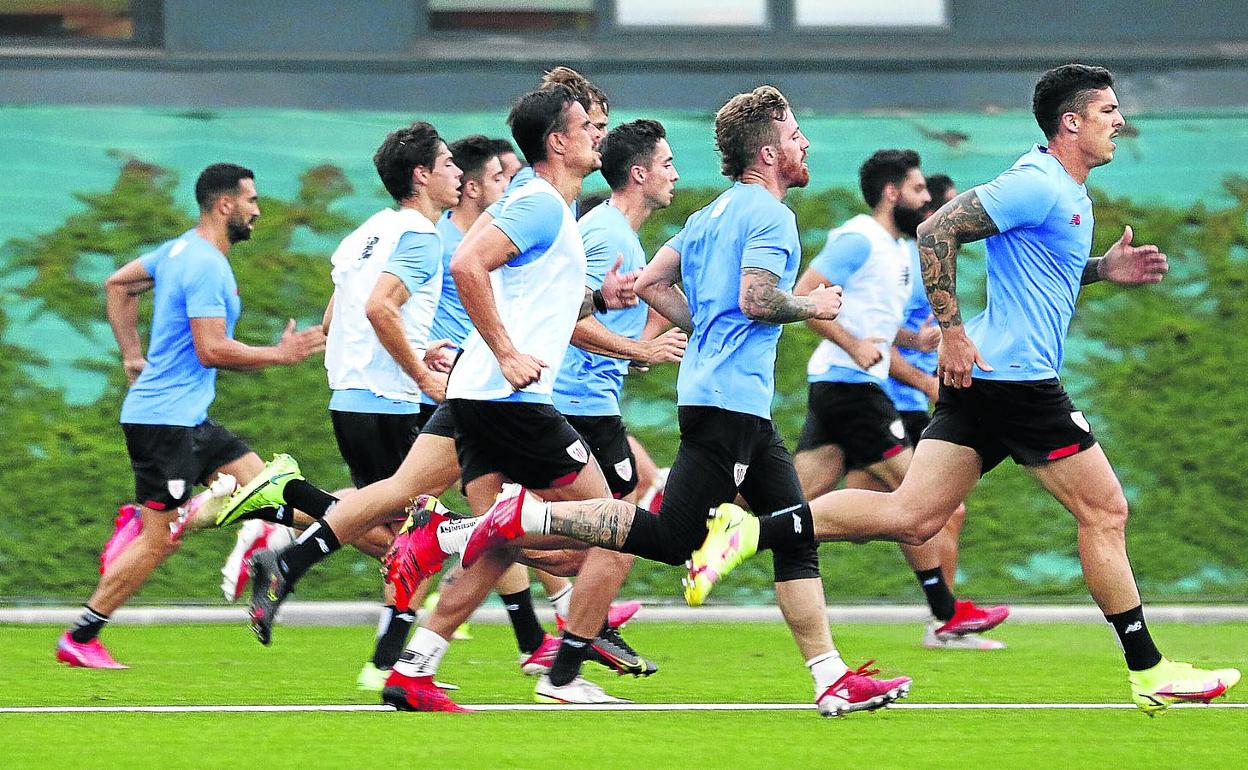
x: 1158, y: 369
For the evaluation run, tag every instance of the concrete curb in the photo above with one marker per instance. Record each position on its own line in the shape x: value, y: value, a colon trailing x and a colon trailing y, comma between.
x: 357, y: 613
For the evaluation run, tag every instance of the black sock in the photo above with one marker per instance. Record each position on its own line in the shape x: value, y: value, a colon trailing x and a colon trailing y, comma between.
x: 1137, y: 643
x: 392, y: 636
x: 794, y: 525
x: 316, y: 542
x: 282, y: 514
x: 524, y: 622
x: 310, y: 499
x: 572, y: 652
x: 939, y: 597
x: 88, y: 626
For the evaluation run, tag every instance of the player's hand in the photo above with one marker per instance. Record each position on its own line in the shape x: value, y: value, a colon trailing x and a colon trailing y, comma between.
x: 522, y: 369
x: 928, y: 335
x: 433, y: 385
x: 296, y: 346
x: 1127, y: 265
x: 866, y: 352
x: 958, y: 357
x: 440, y: 355
x: 133, y: 367
x: 619, y: 289
x: 827, y: 301
x: 667, y: 348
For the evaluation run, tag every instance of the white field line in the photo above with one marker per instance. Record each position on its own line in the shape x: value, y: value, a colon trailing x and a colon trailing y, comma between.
x: 592, y: 707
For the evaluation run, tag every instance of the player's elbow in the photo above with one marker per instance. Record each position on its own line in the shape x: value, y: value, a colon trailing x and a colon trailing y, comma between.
x: 378, y: 311
x: 752, y: 310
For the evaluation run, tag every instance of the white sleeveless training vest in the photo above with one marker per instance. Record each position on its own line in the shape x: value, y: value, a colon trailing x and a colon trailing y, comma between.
x: 874, y: 299
x: 354, y: 357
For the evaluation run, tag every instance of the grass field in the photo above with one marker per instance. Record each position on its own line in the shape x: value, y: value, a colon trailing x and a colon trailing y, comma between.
x: 699, y: 663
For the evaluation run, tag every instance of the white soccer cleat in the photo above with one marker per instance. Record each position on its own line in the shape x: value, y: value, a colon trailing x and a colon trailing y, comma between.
x: 253, y: 536
x: 579, y: 690
x: 971, y: 641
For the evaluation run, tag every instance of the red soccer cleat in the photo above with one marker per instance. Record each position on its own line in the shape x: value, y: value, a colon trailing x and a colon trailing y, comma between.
x: 417, y: 693
x: 90, y: 654
x: 499, y: 525
x: 857, y: 691
x: 416, y: 553
x: 968, y: 619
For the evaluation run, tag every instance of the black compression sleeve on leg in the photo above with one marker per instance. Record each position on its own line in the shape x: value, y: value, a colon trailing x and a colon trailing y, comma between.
x: 308, y: 498
x: 792, y: 526
x: 645, y: 539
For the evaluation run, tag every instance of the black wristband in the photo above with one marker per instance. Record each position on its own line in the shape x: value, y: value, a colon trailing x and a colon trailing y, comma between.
x: 600, y: 302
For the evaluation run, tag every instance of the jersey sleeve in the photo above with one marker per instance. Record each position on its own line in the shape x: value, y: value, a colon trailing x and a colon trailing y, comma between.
x: 532, y: 223
x: 205, y: 287
x: 770, y: 239
x: 600, y: 253
x: 415, y: 260
x: 841, y: 257
x: 677, y: 242
x: 1023, y: 196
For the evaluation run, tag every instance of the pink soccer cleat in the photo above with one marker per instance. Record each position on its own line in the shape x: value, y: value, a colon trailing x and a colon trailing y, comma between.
x: 126, y: 528
x: 499, y: 525
x: 967, y: 619
x: 255, y: 535
x: 90, y: 654
x: 857, y: 691
x: 417, y: 693
x: 541, y: 659
x: 619, y: 614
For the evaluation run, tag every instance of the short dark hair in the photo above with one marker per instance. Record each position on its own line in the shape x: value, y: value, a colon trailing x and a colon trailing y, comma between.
x: 535, y: 116
x: 502, y: 147
x: 744, y: 125
x: 582, y: 89
x: 400, y: 154
x: 628, y: 145
x: 217, y: 180
x: 883, y: 168
x: 472, y: 153
x: 939, y: 186
x: 1064, y: 89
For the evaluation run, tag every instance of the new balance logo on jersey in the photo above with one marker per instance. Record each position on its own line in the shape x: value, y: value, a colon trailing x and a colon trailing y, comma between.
x: 368, y: 247
x: 1136, y: 626
x: 1075, y: 220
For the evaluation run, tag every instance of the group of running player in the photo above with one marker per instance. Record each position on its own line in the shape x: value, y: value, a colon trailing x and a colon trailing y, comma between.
x: 479, y: 332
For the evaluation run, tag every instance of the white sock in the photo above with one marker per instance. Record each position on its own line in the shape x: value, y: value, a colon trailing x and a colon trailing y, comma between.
x: 535, y: 516
x: 423, y: 655
x: 825, y: 669
x: 562, y: 601
x: 453, y: 534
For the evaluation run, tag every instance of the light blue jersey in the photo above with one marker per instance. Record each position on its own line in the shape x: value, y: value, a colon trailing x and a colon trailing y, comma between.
x: 450, y: 321
x: 1035, y: 265
x: 842, y: 255
x: 522, y: 176
x: 907, y: 398
x: 731, y: 361
x: 192, y: 280
x: 589, y: 384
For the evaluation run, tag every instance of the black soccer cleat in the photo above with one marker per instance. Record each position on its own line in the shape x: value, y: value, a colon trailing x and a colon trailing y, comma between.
x: 269, y: 588
x: 610, y: 650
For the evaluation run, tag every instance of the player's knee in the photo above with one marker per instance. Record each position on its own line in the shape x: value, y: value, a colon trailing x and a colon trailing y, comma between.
x: 958, y: 518
x: 1110, y: 515
x: 918, y: 527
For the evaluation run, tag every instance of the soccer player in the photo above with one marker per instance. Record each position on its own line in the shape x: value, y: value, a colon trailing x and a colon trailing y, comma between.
x: 387, y: 283
x: 507, y: 158
x: 850, y: 421
x: 736, y: 261
x: 522, y: 280
x: 172, y: 443
x: 1000, y: 394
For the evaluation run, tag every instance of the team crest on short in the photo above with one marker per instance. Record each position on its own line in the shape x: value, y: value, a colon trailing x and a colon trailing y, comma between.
x: 1078, y: 419
x: 897, y: 429
x: 177, y: 488
x: 624, y: 469
x: 738, y: 472
x: 577, y: 451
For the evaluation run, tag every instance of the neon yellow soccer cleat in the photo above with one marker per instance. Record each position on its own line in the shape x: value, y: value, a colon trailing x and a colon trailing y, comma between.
x: 264, y: 491
x: 1155, y: 689
x: 731, y: 538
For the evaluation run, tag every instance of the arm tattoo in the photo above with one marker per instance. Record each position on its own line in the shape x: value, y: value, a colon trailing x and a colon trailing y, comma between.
x: 959, y: 221
x: 603, y: 523
x: 587, y: 304
x: 1091, y: 271
x: 762, y: 299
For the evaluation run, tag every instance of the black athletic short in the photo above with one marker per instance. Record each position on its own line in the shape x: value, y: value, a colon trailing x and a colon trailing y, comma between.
x: 915, y: 423
x: 530, y: 444
x: 608, y: 440
x: 169, y: 460
x: 1032, y: 422
x: 859, y: 417
x: 721, y: 454
x: 437, y: 420
x: 374, y: 445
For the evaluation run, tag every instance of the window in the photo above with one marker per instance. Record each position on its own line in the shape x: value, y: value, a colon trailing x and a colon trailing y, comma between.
x: 67, y: 19
x: 511, y: 15
x: 691, y: 13
x: 871, y: 13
